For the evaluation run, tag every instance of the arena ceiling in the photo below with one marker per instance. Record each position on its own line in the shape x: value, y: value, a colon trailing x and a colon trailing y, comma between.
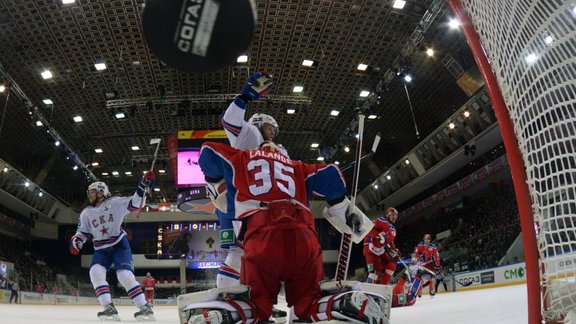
x: 67, y: 40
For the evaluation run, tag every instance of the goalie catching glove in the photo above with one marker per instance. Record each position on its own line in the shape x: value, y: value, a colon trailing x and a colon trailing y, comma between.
x: 258, y: 85
x: 217, y: 192
x: 348, y: 219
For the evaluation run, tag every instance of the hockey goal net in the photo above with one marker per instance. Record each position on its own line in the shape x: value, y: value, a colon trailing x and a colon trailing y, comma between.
x: 528, y: 48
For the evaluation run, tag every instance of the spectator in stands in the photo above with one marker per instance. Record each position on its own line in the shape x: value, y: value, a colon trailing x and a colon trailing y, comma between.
x: 14, y: 291
x: 2, y: 283
x: 181, y: 246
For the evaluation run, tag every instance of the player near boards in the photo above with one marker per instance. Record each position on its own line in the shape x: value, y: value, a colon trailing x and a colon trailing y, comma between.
x: 244, y: 135
x: 102, y: 222
x: 379, y: 248
x: 427, y: 254
x: 149, y: 284
x: 280, y: 239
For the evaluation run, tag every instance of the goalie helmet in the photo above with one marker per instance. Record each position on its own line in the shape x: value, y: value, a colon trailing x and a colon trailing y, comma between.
x: 99, y: 186
x: 259, y: 120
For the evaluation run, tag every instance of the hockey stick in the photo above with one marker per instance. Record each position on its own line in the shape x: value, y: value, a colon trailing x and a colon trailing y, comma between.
x: 374, y: 147
x: 157, y: 142
x: 346, y: 242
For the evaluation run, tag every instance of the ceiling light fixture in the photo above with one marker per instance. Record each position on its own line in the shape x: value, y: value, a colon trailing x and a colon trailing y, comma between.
x: 364, y: 93
x: 362, y: 67
x: 372, y: 116
x: 314, y: 145
x: 453, y: 23
x: 430, y: 52
x: 98, y: 150
x: 298, y: 89
x: 242, y: 59
x: 78, y: 119
x: 100, y: 66
x: 46, y: 75
x: 307, y: 63
x: 135, y: 148
x: 290, y: 111
x: 399, y: 4
x: 48, y: 101
x: 334, y: 113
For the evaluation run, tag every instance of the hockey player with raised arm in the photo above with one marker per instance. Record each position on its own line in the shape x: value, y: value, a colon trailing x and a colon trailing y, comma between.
x: 244, y: 135
x: 102, y: 222
x: 379, y: 248
x: 280, y: 240
x: 427, y: 254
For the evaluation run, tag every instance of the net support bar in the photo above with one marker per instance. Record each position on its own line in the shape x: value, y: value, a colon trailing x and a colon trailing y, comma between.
x: 515, y: 161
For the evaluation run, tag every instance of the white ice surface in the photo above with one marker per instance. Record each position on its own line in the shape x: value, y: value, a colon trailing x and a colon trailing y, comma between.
x: 505, y: 305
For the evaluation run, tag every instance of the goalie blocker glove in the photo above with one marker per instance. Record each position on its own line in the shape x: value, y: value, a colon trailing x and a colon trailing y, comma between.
x: 217, y: 192
x: 147, y: 183
x: 344, y: 221
x: 258, y: 85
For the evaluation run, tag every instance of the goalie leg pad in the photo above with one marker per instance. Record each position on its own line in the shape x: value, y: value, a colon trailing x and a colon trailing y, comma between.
x: 372, y: 302
x: 217, y: 312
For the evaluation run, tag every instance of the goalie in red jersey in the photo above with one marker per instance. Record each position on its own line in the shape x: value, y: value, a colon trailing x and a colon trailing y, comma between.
x: 271, y: 194
x: 379, y: 248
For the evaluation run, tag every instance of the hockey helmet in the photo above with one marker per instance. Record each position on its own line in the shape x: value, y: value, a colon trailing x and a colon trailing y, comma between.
x: 99, y: 186
x: 391, y: 211
x: 269, y: 146
x: 259, y: 120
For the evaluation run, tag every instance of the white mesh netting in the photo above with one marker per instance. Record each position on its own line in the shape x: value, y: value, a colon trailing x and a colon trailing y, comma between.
x: 531, y: 45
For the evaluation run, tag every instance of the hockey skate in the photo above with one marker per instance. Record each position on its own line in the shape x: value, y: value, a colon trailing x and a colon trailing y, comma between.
x: 214, y: 316
x: 145, y: 313
x: 109, y: 313
x: 362, y: 307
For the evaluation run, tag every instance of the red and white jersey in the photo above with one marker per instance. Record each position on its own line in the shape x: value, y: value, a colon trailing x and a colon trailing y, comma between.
x: 149, y: 283
x: 104, y: 222
x: 428, y: 255
x: 263, y: 176
x: 382, y: 229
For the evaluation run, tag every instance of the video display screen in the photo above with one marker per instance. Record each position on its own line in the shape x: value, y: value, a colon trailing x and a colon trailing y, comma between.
x: 189, y: 173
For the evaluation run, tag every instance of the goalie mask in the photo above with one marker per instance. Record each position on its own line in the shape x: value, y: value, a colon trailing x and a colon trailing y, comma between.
x: 99, y: 186
x: 259, y: 120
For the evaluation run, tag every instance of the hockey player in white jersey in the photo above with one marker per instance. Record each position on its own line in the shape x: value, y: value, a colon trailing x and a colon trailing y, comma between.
x: 102, y: 222
x: 244, y: 135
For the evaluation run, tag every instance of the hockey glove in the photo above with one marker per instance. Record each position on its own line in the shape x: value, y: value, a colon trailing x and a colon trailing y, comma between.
x: 217, y: 192
x: 147, y: 183
x: 76, y: 244
x: 258, y: 85
x: 376, y: 250
x: 393, y: 252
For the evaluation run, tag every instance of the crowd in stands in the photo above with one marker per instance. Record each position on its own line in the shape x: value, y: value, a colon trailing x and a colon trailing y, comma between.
x: 482, y: 230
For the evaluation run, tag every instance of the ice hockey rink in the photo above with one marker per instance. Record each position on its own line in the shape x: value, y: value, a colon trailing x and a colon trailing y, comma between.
x: 505, y: 305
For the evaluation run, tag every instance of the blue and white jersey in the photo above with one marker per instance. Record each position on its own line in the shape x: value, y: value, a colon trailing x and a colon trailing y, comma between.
x: 241, y: 134
x: 104, y: 223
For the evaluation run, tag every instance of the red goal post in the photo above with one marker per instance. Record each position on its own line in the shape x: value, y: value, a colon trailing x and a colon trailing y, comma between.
x: 526, y: 52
